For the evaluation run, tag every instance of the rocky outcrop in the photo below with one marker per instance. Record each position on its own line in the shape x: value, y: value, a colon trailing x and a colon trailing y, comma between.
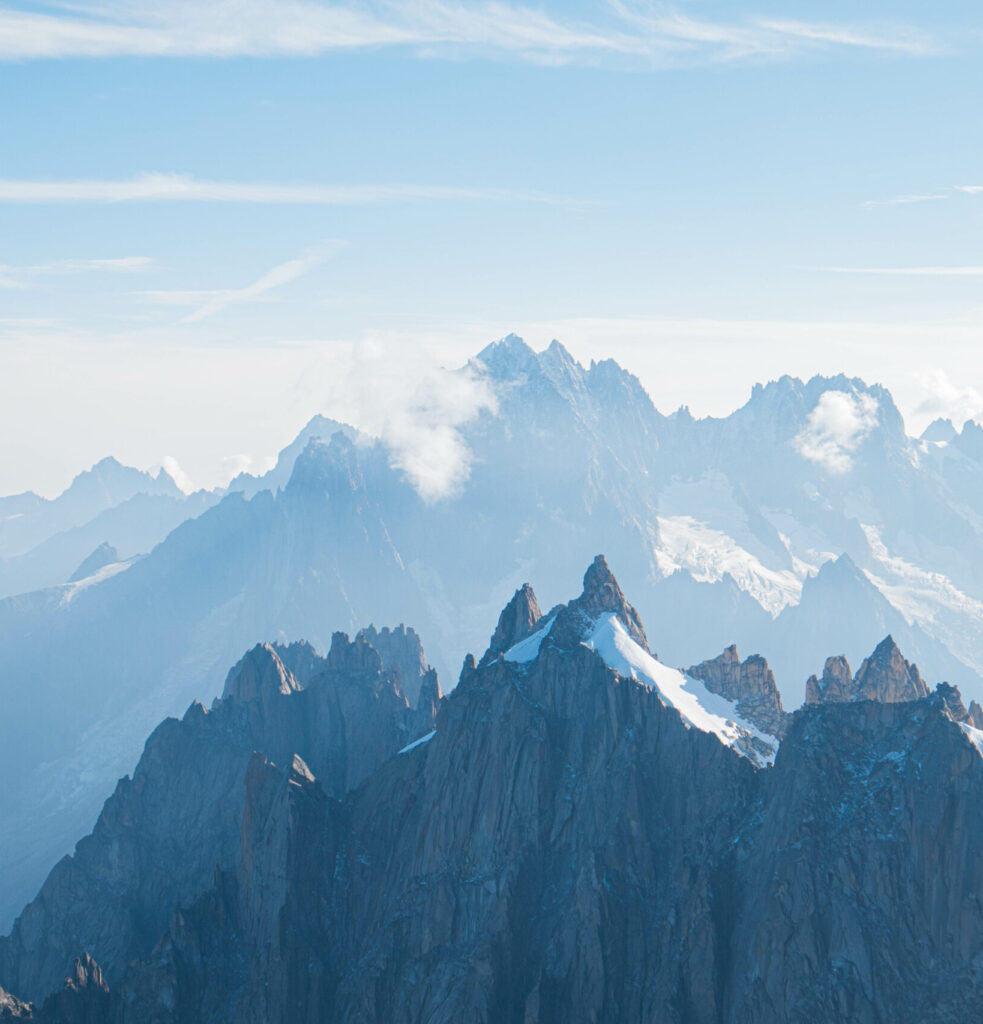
x: 953, y: 700
x: 401, y: 649
x: 161, y: 835
x: 12, y: 1008
x: 974, y: 715
x: 84, y: 998
x: 601, y: 594
x: 835, y: 685
x: 885, y: 676
x: 750, y: 684
x: 519, y: 618
x: 261, y: 675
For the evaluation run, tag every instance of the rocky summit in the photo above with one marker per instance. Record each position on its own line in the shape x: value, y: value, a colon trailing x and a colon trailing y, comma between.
x: 577, y: 833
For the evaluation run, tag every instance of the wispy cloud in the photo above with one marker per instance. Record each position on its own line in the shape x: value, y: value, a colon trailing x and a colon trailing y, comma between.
x: 900, y: 40
x: 905, y: 200
x: 970, y: 189
x: 946, y: 399
x: 905, y: 271
x: 19, y: 277
x: 651, y: 34
x: 185, y: 188
x: 276, y: 277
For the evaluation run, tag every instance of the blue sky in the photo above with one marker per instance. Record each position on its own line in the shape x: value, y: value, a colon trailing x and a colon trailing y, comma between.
x: 216, y: 220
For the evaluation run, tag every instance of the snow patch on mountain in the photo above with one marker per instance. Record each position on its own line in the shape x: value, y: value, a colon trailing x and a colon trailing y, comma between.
x: 709, y: 554
x: 418, y: 743
x: 975, y: 736
x: 699, y: 708
x: 526, y: 650
x: 928, y: 599
x: 71, y: 590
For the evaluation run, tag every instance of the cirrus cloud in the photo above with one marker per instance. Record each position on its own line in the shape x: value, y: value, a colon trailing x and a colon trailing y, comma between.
x: 637, y: 33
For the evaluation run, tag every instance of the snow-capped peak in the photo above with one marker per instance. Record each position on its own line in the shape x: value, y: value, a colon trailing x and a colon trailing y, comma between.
x: 602, y: 620
x: 697, y: 706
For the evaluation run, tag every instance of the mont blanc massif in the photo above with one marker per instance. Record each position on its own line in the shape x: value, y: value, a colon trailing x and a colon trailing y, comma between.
x: 721, y: 759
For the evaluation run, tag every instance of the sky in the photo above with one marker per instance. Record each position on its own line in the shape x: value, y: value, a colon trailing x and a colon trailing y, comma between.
x: 217, y: 220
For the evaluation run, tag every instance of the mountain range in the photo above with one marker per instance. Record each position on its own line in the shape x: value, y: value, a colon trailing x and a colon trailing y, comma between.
x: 578, y: 832
x: 807, y: 523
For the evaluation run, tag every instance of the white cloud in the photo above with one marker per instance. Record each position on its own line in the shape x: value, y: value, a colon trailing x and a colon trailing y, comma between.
x: 120, y: 265
x: 399, y: 392
x: 905, y: 41
x: 835, y: 428
x: 970, y: 189
x: 905, y: 271
x: 645, y: 34
x: 156, y: 187
x: 14, y: 277
x: 233, y: 465
x: 423, y: 436
x: 905, y: 200
x: 946, y: 399
x: 276, y: 277
x: 173, y: 469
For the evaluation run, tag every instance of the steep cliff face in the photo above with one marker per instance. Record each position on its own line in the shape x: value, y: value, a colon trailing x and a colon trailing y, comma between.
x: 162, y: 834
x: 581, y: 835
x: 856, y: 884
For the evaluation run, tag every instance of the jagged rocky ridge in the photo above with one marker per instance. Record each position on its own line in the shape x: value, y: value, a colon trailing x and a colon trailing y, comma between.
x: 564, y: 844
x: 164, y: 833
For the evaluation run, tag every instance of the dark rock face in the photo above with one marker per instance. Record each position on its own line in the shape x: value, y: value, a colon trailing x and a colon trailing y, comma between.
x: 518, y: 619
x: 601, y: 594
x: 750, y: 684
x: 561, y: 846
x: 856, y: 887
x: 161, y: 835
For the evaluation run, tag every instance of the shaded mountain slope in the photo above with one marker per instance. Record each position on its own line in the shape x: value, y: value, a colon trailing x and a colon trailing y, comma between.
x: 572, y: 842
x: 164, y: 833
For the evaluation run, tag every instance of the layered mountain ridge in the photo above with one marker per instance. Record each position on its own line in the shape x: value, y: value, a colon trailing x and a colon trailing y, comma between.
x: 767, y: 529
x: 575, y: 833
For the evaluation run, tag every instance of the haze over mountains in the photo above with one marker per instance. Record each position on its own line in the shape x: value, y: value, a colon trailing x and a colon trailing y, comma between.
x: 805, y: 524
